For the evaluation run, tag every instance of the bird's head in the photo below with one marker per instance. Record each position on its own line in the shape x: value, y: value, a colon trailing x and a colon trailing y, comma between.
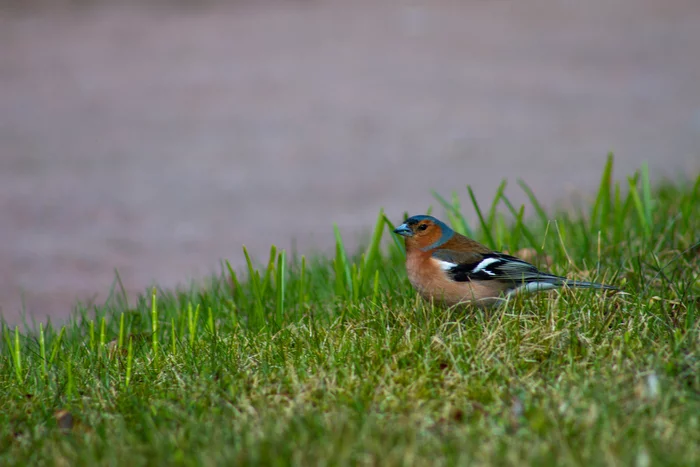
x: 424, y: 232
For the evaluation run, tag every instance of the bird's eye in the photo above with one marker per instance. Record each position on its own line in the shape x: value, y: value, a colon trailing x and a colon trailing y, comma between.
x: 422, y: 226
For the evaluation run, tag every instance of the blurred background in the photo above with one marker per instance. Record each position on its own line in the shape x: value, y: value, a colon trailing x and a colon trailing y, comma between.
x: 158, y: 137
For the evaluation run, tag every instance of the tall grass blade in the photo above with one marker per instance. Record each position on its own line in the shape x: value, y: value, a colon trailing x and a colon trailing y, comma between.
x: 42, y: 351
x: 486, y: 228
x: 120, y: 338
x: 280, y: 285
x: 356, y: 275
x: 269, y: 272
x: 103, y: 333
x: 495, y: 202
x: 258, y: 317
x: 211, y: 325
x: 192, y: 321
x: 17, y: 357
x: 129, y: 361
x: 535, y: 203
x: 398, y: 244
x: 70, y: 384
x: 173, y: 336
x: 647, y: 202
x: 617, y: 209
x: 343, y: 285
x: 373, y: 252
x: 239, y: 298
x: 520, y: 224
x: 91, y: 333
x: 302, y: 283
x: 57, y: 345
x: 640, y: 208
x: 517, y: 231
x: 455, y: 215
x: 375, y: 288
x: 603, y: 203
x: 691, y: 206
x: 154, y: 324
x: 459, y: 223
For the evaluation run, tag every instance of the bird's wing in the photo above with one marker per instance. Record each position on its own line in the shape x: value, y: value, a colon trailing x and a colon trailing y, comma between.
x: 467, y: 266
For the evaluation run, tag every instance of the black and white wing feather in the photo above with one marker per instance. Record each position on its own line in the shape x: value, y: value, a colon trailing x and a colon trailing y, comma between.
x: 518, y: 274
x: 462, y: 267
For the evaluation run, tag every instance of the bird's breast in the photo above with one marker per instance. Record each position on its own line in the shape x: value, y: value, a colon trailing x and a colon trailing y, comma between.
x: 431, y: 280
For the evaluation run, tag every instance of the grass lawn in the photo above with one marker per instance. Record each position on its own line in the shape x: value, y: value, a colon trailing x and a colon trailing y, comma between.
x: 336, y: 361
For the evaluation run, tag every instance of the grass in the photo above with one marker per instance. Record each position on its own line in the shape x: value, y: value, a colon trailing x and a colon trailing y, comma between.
x: 336, y: 361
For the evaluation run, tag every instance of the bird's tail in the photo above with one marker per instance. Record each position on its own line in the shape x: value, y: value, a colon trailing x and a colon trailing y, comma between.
x: 586, y: 285
x: 550, y: 281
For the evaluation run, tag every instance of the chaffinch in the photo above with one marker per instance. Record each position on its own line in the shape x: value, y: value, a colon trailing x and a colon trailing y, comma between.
x: 451, y: 268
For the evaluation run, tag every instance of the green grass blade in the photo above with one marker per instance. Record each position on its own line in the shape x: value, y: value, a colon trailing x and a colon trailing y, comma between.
x: 103, y: 332
x: 373, y: 252
x: 619, y: 222
x: 459, y: 223
x: 42, y: 351
x: 396, y: 239
x: 57, y: 345
x: 520, y: 225
x: 356, y: 278
x: 120, y: 338
x: 375, y: 288
x: 342, y: 267
x: 602, y: 205
x: 239, y: 298
x: 193, y: 322
x: 154, y: 324
x: 688, y: 209
x: 535, y: 203
x: 484, y: 227
x: 646, y: 196
x: 91, y: 333
x: 280, y: 285
x: 302, y: 283
x: 17, y: 357
x: 173, y: 336
x: 644, y: 221
x: 258, y: 317
x: 455, y: 215
x: 129, y: 361
x: 70, y: 382
x: 496, y: 201
x: 211, y: 324
x: 269, y: 272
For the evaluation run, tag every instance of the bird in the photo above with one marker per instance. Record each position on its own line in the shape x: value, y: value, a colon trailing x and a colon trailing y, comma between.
x: 447, y: 267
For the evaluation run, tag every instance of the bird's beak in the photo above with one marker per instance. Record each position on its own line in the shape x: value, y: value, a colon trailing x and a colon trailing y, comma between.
x: 404, y: 230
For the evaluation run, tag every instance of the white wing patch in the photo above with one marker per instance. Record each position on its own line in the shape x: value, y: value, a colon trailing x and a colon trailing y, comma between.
x: 484, y: 264
x: 444, y: 265
x: 532, y: 287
